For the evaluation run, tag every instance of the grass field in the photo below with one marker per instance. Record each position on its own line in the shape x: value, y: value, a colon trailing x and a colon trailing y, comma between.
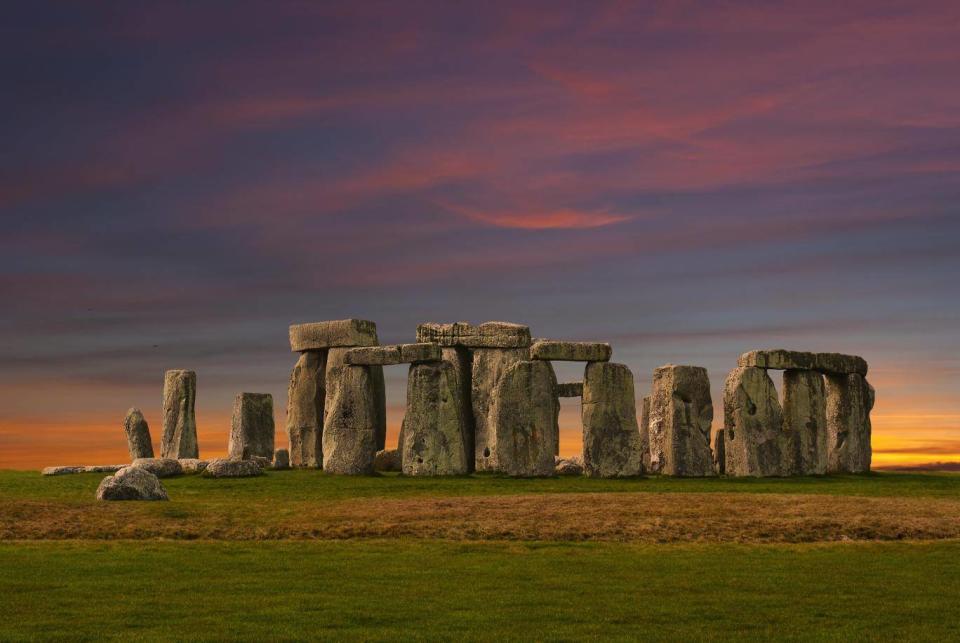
x: 304, y: 555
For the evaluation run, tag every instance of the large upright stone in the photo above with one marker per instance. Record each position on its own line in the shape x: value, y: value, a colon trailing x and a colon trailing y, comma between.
x: 754, y: 441
x: 780, y: 359
x: 524, y: 420
x: 486, y: 335
x: 434, y: 425
x: 350, y: 421
x: 719, y: 453
x: 305, y: 398
x: 681, y: 412
x: 337, y: 357
x: 805, y: 423
x: 252, y: 429
x: 332, y: 334
x: 611, y: 437
x: 561, y: 351
x: 461, y: 362
x: 645, y: 433
x: 489, y: 365
x: 138, y: 435
x: 849, y: 402
x: 179, y: 420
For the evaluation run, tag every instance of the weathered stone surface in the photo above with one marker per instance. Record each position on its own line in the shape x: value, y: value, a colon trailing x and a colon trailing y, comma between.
x: 486, y: 335
x: 332, y: 334
x: 138, y: 435
x: 393, y: 354
x: 611, y: 437
x: 262, y: 461
x: 252, y: 428
x: 104, y: 468
x: 572, y: 466
x: 434, y: 425
x: 560, y: 351
x: 524, y: 415
x: 61, y: 471
x: 160, y: 467
x: 461, y: 361
x: 681, y: 412
x: 230, y: 468
x: 179, y: 420
x: 849, y: 402
x: 336, y: 357
x: 570, y: 389
x: 719, y: 457
x: 753, y: 437
x: 489, y: 365
x: 387, y: 460
x: 805, y: 423
x: 305, y: 398
x: 350, y: 421
x: 193, y: 465
x: 131, y: 483
x: 780, y: 359
x: 281, y: 459
x: 645, y: 434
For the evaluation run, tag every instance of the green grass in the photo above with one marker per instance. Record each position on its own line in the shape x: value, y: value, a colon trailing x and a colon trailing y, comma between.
x: 401, y: 589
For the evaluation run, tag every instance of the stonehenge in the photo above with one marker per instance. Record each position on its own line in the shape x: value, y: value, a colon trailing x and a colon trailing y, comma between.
x: 138, y: 435
x: 179, y: 421
x: 434, y: 433
x: 611, y: 436
x: 350, y: 421
x: 678, y: 420
x: 753, y: 439
x: 305, y: 398
x: 252, y: 429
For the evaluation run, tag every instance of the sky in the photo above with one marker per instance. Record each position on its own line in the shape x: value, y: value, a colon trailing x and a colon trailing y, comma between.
x: 180, y: 181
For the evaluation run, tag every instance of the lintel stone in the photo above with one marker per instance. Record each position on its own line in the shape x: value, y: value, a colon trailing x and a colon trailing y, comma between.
x: 486, y: 335
x: 332, y: 334
x: 393, y: 354
x: 780, y: 359
x: 570, y: 389
x: 561, y: 351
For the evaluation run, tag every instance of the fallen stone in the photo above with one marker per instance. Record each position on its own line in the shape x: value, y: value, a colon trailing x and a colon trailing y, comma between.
x: 434, y: 426
x: 61, y: 471
x: 193, y: 465
x: 281, y: 459
x: 645, y: 434
x: 332, y: 334
x: 387, y: 460
x: 570, y: 389
x: 179, y: 420
x: 252, y: 428
x: 805, y: 423
x: 559, y: 351
x: 569, y: 466
x: 719, y: 458
x: 350, y: 422
x: 160, y: 467
x: 611, y: 437
x: 336, y: 357
x: 305, y: 399
x: 489, y: 365
x: 486, y: 335
x: 524, y: 416
x: 849, y: 402
x: 138, y: 435
x: 780, y: 359
x: 131, y: 483
x: 753, y: 437
x: 394, y: 354
x: 681, y: 412
x: 104, y: 468
x: 229, y: 468
x: 262, y: 461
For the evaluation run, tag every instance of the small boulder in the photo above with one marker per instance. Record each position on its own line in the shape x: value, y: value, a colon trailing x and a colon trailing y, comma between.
x: 193, y: 465
x: 281, y: 459
x: 387, y: 460
x: 131, y: 483
x: 160, y: 467
x: 569, y: 466
x: 227, y: 468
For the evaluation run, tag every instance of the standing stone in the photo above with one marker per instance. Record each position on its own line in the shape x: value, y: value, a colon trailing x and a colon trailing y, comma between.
x: 849, y: 402
x: 179, y: 420
x: 611, y: 437
x: 645, y: 434
x: 681, y: 412
x: 754, y: 441
x: 460, y: 360
x: 337, y: 357
x: 138, y: 435
x: 252, y: 428
x: 281, y: 459
x: 305, y: 397
x: 805, y: 423
x: 489, y: 365
x: 524, y: 420
x: 719, y: 457
x: 434, y: 426
x: 350, y: 419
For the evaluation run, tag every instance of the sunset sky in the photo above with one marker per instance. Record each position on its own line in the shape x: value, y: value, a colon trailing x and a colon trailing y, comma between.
x: 181, y: 181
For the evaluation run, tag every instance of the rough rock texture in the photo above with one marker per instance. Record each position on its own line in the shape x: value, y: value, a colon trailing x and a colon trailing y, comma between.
x: 252, y: 429
x: 262, y: 461
x: 780, y: 359
x: 229, y: 468
x: 179, y: 421
x: 805, y: 423
x: 138, y: 435
x: 681, y: 412
x: 350, y: 421
x: 104, y: 468
x: 488, y: 367
x: 611, y: 437
x: 336, y: 357
x: 569, y: 466
x: 387, y: 460
x: 434, y: 425
x: 719, y: 458
x: 192, y: 465
x: 524, y: 415
x: 160, y: 467
x: 393, y: 354
x: 561, y: 351
x: 131, y: 483
x: 849, y: 402
x: 486, y: 335
x: 330, y: 334
x: 753, y: 437
x: 281, y: 459
x: 305, y: 397
x: 570, y: 389
x: 462, y: 362
x: 645, y: 434
x: 61, y: 471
